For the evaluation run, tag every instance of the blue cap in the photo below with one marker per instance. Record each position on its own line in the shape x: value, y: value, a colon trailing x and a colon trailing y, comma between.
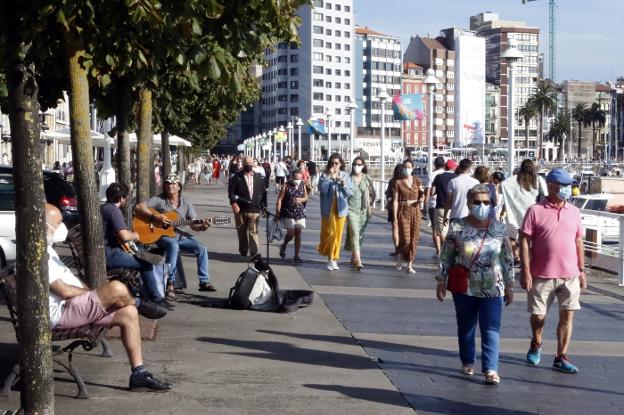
x: 559, y: 176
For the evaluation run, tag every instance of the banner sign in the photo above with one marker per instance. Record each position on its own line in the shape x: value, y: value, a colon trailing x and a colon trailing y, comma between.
x: 317, y: 126
x: 280, y: 136
x: 408, y: 107
x: 251, y: 144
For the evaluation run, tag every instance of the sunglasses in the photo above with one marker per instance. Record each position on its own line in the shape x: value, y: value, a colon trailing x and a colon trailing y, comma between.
x: 481, y: 202
x: 358, y: 164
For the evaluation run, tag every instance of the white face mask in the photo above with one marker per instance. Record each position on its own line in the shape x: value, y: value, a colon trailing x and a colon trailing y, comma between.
x: 407, y: 171
x: 59, y: 235
x: 297, y: 182
x: 358, y: 169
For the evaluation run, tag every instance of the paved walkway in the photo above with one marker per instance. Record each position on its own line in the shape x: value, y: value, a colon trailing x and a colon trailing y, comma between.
x: 374, y: 342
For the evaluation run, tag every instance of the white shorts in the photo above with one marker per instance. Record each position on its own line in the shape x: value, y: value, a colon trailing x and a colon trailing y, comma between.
x: 290, y: 223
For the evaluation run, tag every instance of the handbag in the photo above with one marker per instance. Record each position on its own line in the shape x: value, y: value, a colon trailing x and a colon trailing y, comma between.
x: 458, y: 275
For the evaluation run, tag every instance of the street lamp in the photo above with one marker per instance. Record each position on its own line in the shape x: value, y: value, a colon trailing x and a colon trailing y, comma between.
x: 274, y: 145
x: 290, y: 127
x: 431, y: 81
x: 281, y: 130
x: 299, y: 125
x: 511, y: 56
x: 328, y: 115
x: 351, y: 108
x: 383, y: 97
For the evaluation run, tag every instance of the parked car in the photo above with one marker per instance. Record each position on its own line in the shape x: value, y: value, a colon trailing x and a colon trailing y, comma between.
x: 58, y: 193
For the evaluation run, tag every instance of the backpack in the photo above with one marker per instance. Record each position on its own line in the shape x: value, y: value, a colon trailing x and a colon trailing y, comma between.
x: 257, y: 288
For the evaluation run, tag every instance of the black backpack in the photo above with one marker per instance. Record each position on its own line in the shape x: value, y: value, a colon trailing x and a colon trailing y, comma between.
x: 285, y: 301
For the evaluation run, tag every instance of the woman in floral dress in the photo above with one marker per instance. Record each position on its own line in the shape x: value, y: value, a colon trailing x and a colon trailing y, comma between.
x: 291, y: 208
x: 360, y: 209
x: 482, y: 246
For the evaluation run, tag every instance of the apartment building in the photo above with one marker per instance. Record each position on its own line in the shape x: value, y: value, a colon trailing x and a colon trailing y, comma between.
x: 316, y: 78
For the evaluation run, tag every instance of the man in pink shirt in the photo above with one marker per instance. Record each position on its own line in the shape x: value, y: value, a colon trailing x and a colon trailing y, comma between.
x: 552, y: 259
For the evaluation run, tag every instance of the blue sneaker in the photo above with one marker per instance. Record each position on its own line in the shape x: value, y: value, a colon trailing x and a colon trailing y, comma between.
x: 562, y: 364
x: 534, y: 353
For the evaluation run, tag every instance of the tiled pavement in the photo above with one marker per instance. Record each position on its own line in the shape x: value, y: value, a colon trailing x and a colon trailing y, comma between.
x: 397, y: 320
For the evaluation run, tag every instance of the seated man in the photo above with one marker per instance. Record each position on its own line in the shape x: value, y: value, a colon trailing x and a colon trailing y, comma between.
x: 116, y: 230
x: 172, y: 200
x: 73, y: 305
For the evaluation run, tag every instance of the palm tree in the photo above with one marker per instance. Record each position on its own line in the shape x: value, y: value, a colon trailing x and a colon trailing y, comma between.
x: 544, y: 99
x: 598, y: 118
x: 558, y: 129
x: 579, y: 114
x: 527, y: 112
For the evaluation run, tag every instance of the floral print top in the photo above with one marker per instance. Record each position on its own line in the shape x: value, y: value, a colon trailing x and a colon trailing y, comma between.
x: 493, y: 269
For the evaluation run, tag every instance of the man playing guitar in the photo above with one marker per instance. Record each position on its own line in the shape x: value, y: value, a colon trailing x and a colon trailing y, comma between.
x: 172, y: 200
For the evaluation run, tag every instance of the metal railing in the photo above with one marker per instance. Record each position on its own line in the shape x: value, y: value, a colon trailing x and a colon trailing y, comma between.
x: 380, y: 191
x: 601, y: 252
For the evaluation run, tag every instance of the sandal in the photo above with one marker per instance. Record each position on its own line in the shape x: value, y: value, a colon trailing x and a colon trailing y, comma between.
x: 399, y: 263
x: 358, y: 264
x: 170, y: 294
x: 467, y: 370
x: 491, y: 378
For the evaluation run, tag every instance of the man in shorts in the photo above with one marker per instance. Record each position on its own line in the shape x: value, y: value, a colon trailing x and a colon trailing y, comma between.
x: 73, y: 305
x: 436, y: 195
x: 552, y: 258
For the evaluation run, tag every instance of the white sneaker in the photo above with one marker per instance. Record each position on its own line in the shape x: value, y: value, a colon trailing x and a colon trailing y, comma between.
x: 399, y: 263
x: 335, y: 265
x: 410, y: 270
x: 330, y: 265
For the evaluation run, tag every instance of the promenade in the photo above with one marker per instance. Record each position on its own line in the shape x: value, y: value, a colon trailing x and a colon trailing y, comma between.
x: 373, y: 342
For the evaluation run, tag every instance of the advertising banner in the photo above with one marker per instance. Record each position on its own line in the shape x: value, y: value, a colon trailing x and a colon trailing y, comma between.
x: 469, y: 90
x: 281, y: 136
x: 317, y: 126
x: 408, y: 107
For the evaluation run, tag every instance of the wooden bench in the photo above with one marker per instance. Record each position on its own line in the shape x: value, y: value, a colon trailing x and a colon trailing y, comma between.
x: 87, y: 337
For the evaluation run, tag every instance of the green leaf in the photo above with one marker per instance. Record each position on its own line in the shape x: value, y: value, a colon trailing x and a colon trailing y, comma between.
x: 60, y: 19
x: 214, y: 72
x: 110, y: 60
x: 105, y: 80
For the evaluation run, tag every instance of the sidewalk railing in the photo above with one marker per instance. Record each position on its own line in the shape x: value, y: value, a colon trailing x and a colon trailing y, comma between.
x: 380, y: 191
x: 605, y: 246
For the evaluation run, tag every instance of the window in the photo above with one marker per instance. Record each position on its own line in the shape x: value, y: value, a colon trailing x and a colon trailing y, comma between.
x: 294, y: 97
x: 318, y: 17
x: 318, y: 109
x: 347, y: 9
x: 348, y: 21
x: 338, y: 85
x: 328, y: 6
x: 317, y: 30
x: 338, y: 33
x: 338, y: 72
x: 439, y: 110
x: 328, y: 71
x: 347, y: 34
x: 294, y: 84
x: 282, y: 111
x: 328, y: 58
x: 328, y: 97
x: 328, y: 84
x: 338, y: 46
x: 294, y: 111
x: 283, y: 58
x: 328, y: 32
x: 282, y: 98
x: 318, y: 96
x: 318, y: 3
x: 317, y: 82
x: 294, y: 71
x: 338, y: 98
x: 282, y: 71
x: 317, y: 43
x: 317, y: 56
x: 347, y: 86
x: 338, y: 7
x: 338, y: 19
x: 347, y: 46
x: 282, y: 45
x: 328, y: 19
x: 347, y: 60
x: 317, y: 69
x: 347, y: 98
x: 338, y: 111
x: 328, y: 45
x: 338, y: 60
x: 294, y: 58
x: 282, y: 85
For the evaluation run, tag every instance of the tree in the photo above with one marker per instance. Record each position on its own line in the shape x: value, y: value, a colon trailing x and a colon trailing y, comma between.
x: 544, y: 99
x: 559, y: 129
x: 598, y: 118
x: 20, y: 26
x: 579, y: 114
x: 527, y: 112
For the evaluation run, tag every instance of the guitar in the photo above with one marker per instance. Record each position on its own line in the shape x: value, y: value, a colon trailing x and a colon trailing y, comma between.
x: 149, y: 232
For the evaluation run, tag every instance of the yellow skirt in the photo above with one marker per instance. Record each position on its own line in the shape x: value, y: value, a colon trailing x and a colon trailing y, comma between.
x: 331, y: 233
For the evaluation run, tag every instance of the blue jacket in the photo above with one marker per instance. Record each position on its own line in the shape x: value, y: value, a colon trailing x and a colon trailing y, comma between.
x: 329, y: 188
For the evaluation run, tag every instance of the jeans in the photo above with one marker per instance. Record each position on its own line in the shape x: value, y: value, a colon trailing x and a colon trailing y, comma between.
x: 172, y: 248
x: 118, y: 258
x: 487, y: 311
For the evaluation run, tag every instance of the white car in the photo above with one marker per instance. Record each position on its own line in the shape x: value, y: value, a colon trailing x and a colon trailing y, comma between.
x: 598, y: 202
x: 7, y: 221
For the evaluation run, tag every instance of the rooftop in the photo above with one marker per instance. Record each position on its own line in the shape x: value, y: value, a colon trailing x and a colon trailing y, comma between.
x: 366, y: 31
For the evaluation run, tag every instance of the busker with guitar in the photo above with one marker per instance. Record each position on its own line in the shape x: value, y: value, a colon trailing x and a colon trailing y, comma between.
x: 172, y: 200
x: 116, y: 232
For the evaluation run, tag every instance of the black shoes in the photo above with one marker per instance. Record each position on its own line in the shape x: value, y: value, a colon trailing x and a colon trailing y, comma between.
x: 151, y: 310
x: 166, y: 304
x: 206, y: 286
x: 146, y: 382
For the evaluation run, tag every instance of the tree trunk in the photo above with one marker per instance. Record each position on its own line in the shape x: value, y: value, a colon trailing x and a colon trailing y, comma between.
x: 540, y: 139
x: 526, y: 131
x: 37, y: 395
x: 580, y: 137
x: 82, y: 157
x: 122, y: 115
x: 144, y: 145
x: 166, y: 158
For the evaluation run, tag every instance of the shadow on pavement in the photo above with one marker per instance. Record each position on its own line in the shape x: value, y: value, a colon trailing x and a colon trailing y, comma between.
x: 385, y: 396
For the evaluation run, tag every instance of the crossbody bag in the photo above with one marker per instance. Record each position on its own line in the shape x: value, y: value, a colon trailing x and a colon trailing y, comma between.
x: 458, y: 275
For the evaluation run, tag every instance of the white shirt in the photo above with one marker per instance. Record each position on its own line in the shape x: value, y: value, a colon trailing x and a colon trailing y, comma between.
x: 58, y: 271
x: 459, y: 186
x: 280, y: 169
x: 432, y: 176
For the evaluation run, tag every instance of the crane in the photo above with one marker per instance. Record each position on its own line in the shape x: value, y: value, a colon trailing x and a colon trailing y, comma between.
x: 552, y: 46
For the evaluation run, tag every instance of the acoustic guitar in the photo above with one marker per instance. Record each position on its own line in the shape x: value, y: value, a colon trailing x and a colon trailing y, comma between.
x: 149, y: 232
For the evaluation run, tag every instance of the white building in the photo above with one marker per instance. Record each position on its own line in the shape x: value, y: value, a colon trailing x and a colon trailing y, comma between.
x: 315, y: 79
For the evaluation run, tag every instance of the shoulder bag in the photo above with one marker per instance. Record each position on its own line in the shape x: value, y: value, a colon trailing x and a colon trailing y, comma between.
x: 458, y: 275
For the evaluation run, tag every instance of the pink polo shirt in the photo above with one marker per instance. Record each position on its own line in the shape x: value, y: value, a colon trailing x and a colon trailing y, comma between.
x: 553, y: 235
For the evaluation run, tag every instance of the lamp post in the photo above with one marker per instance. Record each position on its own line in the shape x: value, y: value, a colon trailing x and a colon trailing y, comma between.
x: 299, y: 125
x: 328, y: 115
x: 511, y: 56
x: 351, y: 108
x: 290, y: 128
x: 281, y: 130
x: 383, y: 97
x: 431, y: 81
x: 274, y: 145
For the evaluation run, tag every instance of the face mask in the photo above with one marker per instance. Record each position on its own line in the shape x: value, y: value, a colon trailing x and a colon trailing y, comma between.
x: 358, y: 169
x: 480, y: 212
x: 565, y: 192
x: 59, y: 235
x: 407, y: 171
x: 296, y: 182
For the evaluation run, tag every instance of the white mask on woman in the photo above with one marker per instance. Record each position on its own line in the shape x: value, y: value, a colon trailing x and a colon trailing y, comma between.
x: 358, y: 169
x: 296, y: 182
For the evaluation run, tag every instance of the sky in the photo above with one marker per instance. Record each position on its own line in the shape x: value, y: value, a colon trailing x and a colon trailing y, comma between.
x: 590, y: 33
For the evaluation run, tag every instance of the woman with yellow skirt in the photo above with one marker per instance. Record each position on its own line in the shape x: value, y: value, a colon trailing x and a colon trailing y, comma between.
x: 335, y: 189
